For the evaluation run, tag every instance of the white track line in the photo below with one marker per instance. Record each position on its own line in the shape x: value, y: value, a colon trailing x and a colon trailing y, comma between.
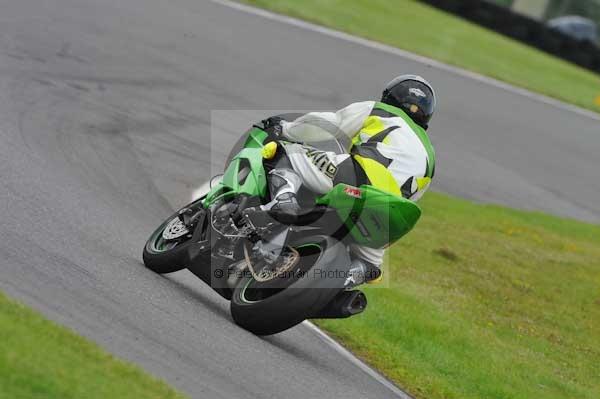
x: 357, y: 362
x: 200, y: 191
x: 284, y: 19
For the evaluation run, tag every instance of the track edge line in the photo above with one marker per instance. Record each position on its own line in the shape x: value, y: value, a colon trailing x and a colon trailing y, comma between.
x: 285, y: 19
x: 356, y: 361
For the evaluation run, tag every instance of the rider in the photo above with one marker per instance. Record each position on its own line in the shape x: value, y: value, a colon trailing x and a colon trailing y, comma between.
x: 389, y: 149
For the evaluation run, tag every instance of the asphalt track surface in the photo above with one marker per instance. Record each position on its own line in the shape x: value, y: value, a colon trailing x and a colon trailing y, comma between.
x: 105, y: 111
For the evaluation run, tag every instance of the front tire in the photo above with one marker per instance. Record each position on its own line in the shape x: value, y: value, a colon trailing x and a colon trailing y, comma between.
x: 270, y: 311
x: 163, y: 256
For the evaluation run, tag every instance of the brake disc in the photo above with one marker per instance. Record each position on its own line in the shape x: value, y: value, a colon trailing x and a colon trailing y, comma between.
x: 175, y: 229
x: 285, y: 263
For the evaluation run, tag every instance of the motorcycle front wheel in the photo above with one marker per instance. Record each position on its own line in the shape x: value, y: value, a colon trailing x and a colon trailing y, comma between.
x: 166, y: 251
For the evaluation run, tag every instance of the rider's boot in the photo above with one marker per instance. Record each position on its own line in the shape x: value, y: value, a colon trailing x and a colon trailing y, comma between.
x: 283, y: 186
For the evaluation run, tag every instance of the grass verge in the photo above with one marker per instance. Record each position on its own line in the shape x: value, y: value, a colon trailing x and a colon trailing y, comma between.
x: 421, y: 29
x: 39, y: 359
x: 485, y: 302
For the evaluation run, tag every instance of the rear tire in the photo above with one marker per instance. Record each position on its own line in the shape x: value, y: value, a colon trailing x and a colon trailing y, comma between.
x: 301, y: 300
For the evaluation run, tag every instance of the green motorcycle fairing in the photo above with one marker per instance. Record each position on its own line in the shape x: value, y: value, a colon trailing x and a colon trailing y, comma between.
x: 373, y: 217
x: 245, y: 174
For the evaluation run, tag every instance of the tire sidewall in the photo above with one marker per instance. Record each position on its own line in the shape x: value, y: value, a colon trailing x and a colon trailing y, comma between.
x: 171, y: 260
x: 303, y: 299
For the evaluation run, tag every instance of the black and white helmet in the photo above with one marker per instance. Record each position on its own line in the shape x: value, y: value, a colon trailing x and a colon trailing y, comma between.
x: 414, y: 95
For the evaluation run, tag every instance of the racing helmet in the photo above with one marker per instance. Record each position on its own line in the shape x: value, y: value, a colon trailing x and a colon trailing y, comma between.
x: 414, y: 95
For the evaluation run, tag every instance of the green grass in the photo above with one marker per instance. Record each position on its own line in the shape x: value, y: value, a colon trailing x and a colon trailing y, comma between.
x: 418, y: 28
x: 486, y: 302
x: 39, y: 359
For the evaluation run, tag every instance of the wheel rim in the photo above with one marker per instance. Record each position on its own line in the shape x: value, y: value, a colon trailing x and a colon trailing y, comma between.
x: 177, y: 232
x: 254, y: 291
x: 159, y: 244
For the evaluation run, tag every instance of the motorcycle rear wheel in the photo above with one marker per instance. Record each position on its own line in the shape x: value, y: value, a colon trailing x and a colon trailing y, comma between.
x: 264, y: 310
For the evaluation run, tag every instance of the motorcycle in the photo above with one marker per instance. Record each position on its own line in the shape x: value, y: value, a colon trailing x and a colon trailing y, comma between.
x: 277, y: 269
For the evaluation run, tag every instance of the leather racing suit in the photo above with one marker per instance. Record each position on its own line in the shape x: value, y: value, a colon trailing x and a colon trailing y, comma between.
x: 391, y: 152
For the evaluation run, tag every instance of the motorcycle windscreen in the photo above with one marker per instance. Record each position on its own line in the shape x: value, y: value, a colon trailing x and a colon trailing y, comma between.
x: 245, y: 173
x: 374, y: 218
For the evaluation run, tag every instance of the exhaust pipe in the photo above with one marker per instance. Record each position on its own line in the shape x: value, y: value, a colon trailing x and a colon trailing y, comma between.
x: 343, y: 305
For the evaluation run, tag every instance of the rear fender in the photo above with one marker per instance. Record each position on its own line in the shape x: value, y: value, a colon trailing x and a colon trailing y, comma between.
x: 374, y: 218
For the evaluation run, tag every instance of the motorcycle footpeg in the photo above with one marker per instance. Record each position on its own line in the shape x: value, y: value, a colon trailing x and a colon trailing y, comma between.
x: 344, y: 305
